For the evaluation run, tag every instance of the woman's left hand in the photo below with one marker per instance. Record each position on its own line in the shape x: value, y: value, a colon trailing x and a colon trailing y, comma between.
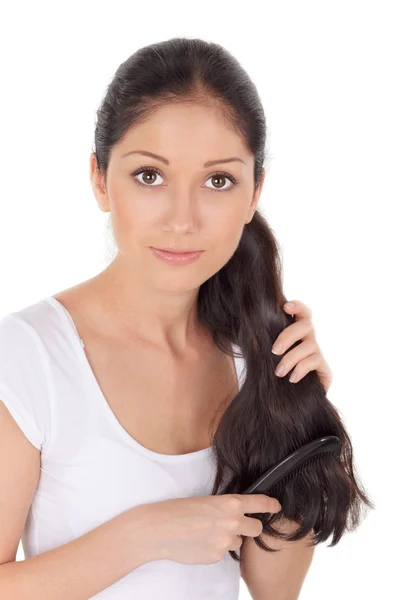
x: 307, y: 356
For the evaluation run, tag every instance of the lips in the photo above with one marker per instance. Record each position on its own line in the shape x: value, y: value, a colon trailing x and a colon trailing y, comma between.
x: 177, y: 258
x: 175, y: 251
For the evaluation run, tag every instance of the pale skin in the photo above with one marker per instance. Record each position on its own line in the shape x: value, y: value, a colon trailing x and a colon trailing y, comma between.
x: 139, y: 301
x: 307, y: 356
x: 180, y: 208
x: 155, y: 301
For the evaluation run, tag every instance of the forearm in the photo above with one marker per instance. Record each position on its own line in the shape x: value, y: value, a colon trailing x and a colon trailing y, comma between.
x: 280, y: 575
x: 85, y: 566
x: 287, y: 579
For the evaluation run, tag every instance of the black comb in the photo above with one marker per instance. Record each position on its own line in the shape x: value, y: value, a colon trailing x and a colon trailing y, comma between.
x: 289, y: 467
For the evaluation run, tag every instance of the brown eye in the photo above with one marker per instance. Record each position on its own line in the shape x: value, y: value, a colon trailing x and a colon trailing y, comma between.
x: 220, y: 177
x: 149, y: 176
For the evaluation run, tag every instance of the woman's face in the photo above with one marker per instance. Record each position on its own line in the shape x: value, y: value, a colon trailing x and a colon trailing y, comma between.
x: 184, y: 204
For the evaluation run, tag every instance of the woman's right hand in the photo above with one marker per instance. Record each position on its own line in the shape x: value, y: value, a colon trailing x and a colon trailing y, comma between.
x: 202, y: 529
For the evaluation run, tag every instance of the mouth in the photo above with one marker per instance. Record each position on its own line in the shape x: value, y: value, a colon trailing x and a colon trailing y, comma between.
x: 176, y: 258
x: 176, y: 250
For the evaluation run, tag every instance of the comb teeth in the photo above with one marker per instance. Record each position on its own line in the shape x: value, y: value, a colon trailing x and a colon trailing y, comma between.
x: 290, y: 466
x: 299, y: 470
x: 291, y: 475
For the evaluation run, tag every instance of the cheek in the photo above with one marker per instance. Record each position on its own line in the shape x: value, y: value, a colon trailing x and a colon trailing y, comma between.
x: 123, y: 216
x: 131, y: 215
x: 122, y: 206
x: 129, y: 225
x: 227, y: 235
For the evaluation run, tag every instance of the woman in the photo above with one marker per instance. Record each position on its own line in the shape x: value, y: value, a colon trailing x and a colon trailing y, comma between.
x: 138, y: 423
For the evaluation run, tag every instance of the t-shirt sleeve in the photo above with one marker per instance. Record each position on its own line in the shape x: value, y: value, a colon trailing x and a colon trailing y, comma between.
x: 23, y: 378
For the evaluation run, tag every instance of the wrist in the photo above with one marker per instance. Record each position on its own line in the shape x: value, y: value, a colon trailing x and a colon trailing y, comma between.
x: 148, y: 533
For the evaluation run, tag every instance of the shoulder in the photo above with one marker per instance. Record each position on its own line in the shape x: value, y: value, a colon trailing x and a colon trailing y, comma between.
x: 24, y: 371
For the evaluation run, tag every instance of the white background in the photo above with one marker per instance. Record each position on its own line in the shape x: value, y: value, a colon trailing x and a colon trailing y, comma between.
x: 336, y: 81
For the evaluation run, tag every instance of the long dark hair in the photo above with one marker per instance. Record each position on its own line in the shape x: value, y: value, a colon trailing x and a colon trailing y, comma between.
x: 242, y: 304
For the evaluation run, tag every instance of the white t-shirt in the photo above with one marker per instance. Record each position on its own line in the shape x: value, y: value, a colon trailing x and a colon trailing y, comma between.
x: 91, y: 468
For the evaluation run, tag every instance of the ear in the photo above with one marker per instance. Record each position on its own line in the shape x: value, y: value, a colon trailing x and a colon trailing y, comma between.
x: 255, y: 199
x: 98, y: 184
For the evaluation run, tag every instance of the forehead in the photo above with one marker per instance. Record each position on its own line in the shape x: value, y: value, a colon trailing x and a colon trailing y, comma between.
x: 186, y: 131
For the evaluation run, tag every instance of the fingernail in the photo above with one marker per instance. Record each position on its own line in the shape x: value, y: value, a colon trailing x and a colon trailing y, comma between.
x: 293, y: 378
x: 290, y: 304
x: 277, y: 349
x: 280, y: 370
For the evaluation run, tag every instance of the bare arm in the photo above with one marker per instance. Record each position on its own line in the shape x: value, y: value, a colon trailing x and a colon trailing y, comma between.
x: 85, y: 566
x: 280, y: 575
x: 76, y: 570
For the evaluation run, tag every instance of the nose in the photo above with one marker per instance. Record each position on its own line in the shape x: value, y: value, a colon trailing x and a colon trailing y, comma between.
x: 182, y: 210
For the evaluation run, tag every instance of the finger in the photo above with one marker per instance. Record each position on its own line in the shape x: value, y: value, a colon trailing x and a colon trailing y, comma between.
x: 300, y: 330
x: 296, y: 355
x: 305, y: 366
x: 312, y: 362
x: 300, y: 309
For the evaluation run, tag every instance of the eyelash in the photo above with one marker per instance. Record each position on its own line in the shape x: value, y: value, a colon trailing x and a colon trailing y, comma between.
x: 148, y: 168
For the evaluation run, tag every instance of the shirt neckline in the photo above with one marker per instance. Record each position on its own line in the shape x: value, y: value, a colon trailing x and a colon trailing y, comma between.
x: 67, y: 319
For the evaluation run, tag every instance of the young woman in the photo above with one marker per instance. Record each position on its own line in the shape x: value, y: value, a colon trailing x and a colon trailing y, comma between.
x: 138, y: 405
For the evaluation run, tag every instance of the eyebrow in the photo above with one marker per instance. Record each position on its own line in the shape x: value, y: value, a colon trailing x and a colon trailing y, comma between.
x: 167, y: 162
